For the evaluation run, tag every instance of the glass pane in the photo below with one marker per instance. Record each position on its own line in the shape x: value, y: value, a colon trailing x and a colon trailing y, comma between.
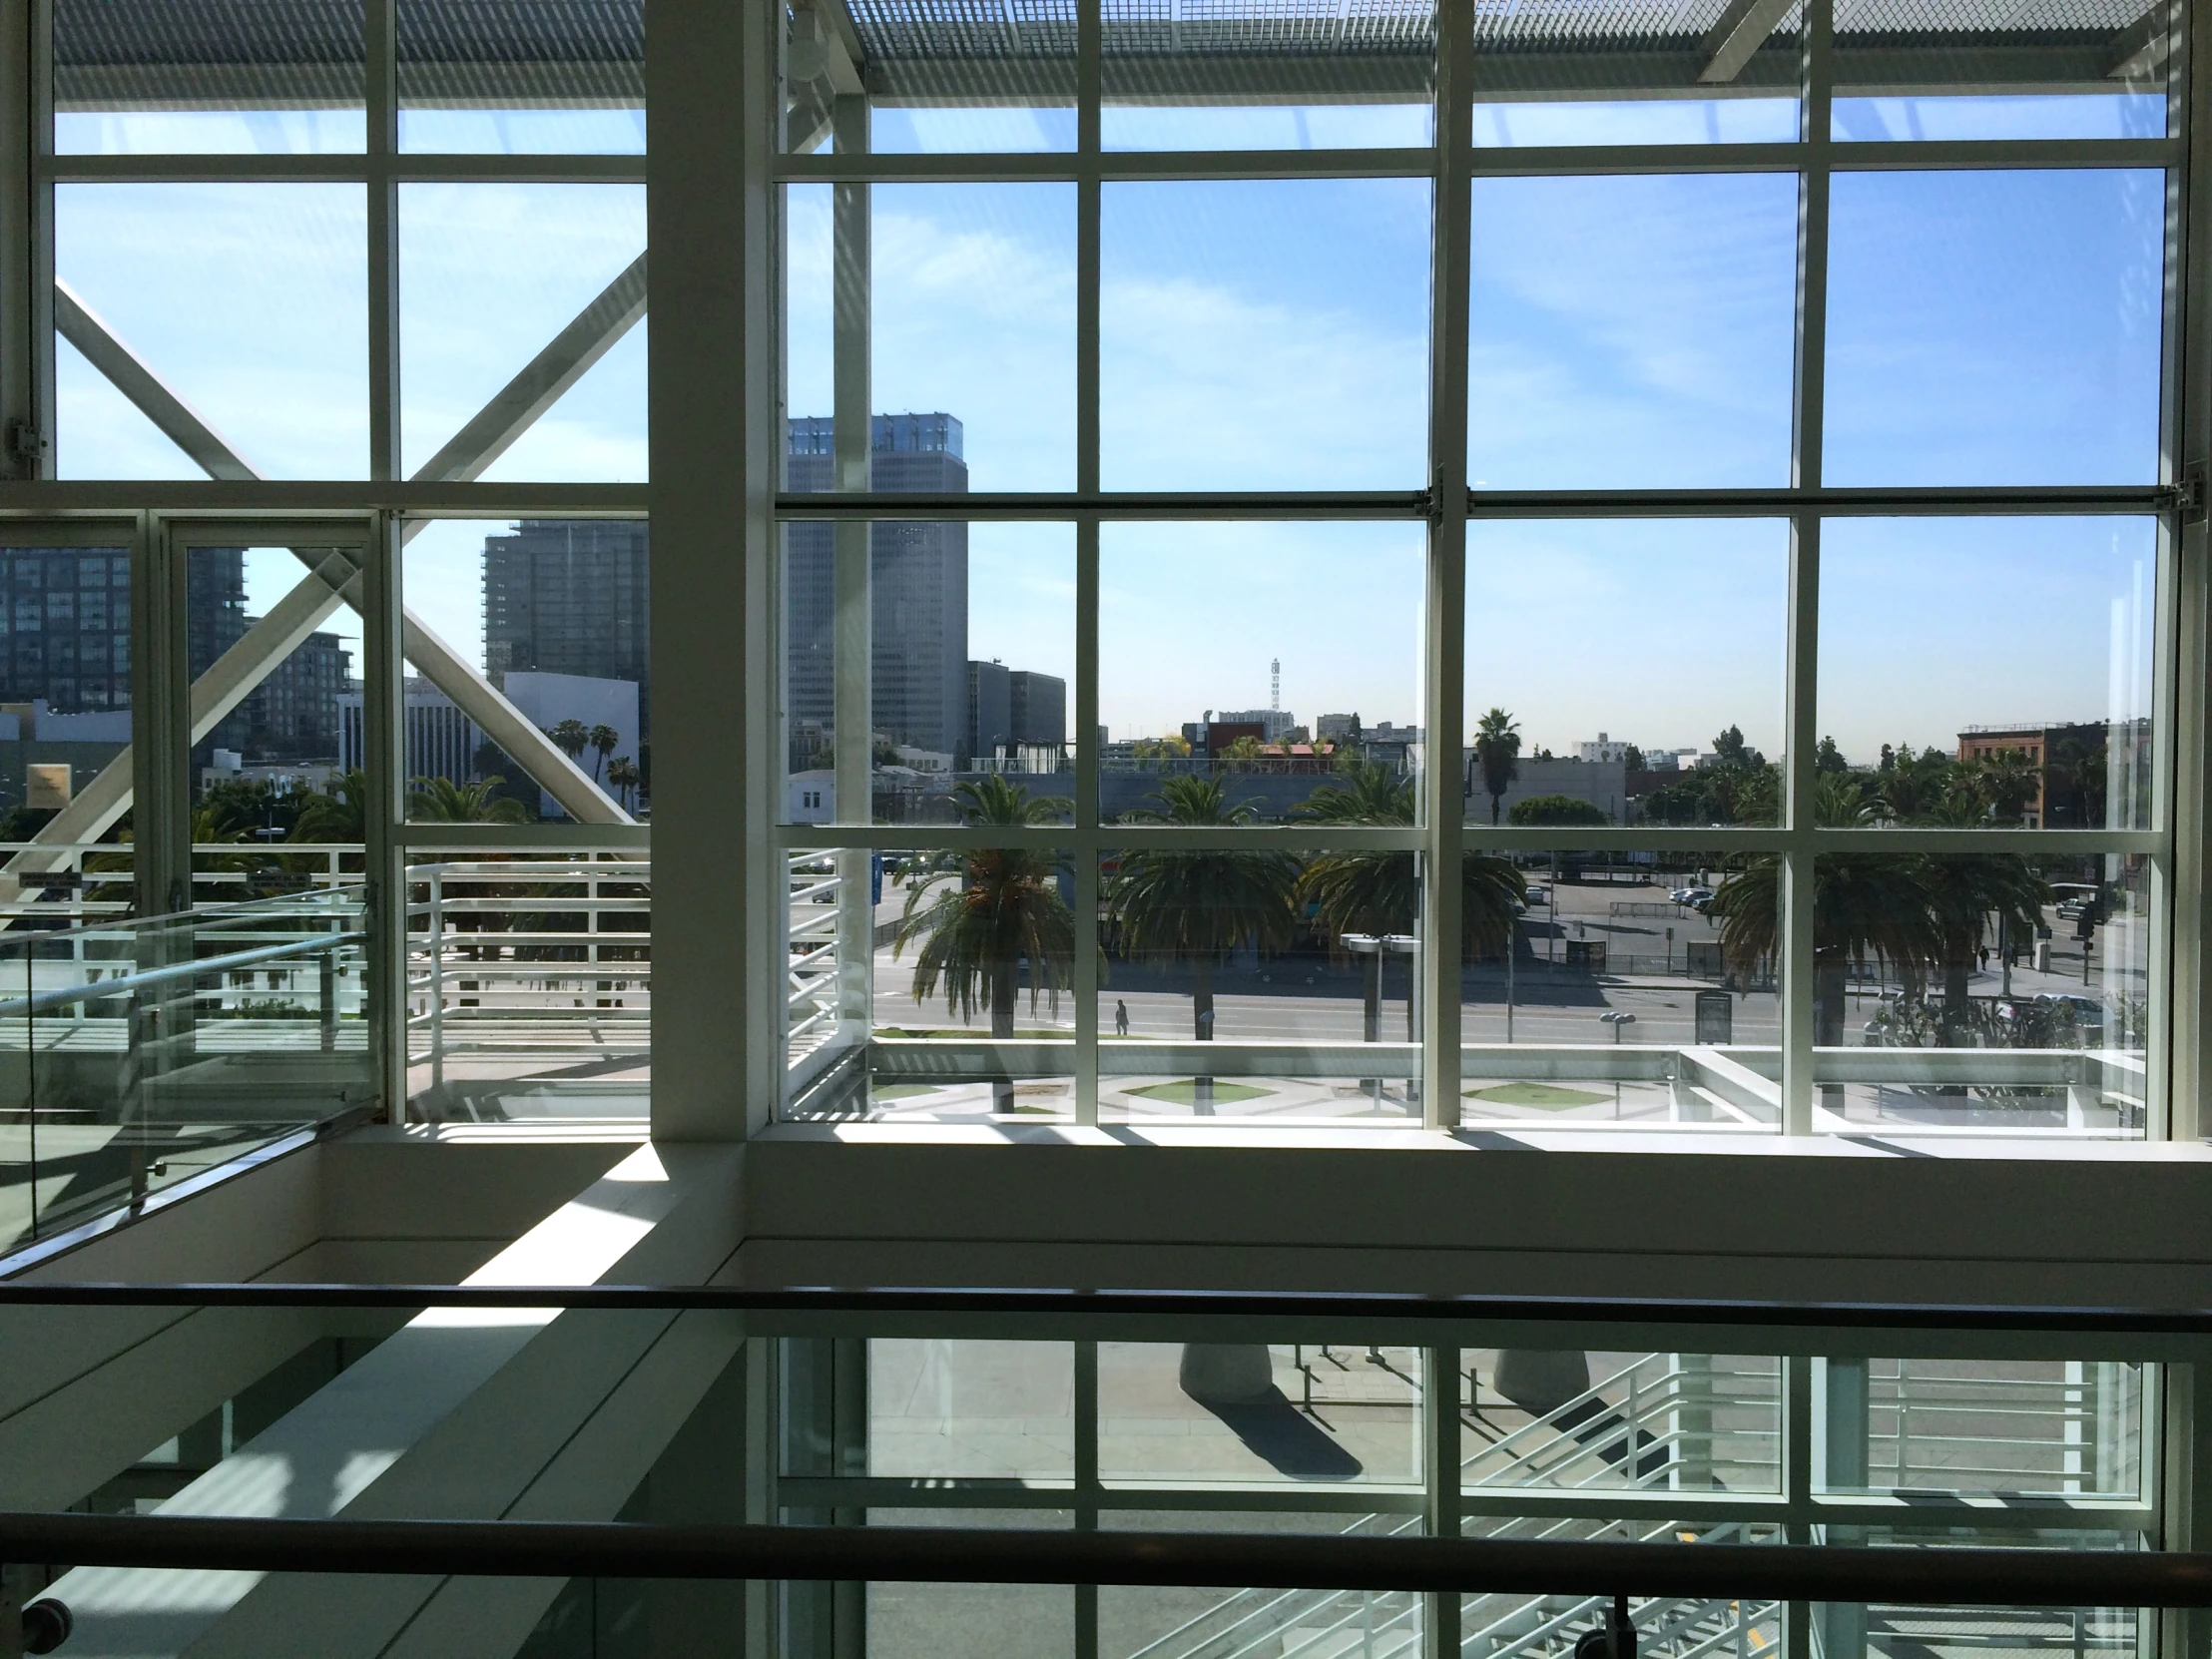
x: 1992, y: 992
x: 1994, y: 327
x: 1949, y: 69
x: 203, y: 79
x: 1563, y: 634
x: 1632, y: 332
x: 2038, y: 713
x: 1256, y: 984
x: 1701, y: 74
x: 1619, y: 1003
x: 535, y: 702
x: 970, y: 651
x: 529, y: 990
x: 1207, y: 1413
x: 995, y: 80
x: 1569, y: 1421
x: 970, y: 318
x: 952, y: 1408
x: 250, y: 301
x: 1148, y: 1622
x: 65, y: 718
x: 265, y: 771
x: 1668, y: 1627
x: 515, y: 297
x: 961, y: 1013
x: 1337, y: 608
x: 479, y: 75
x: 1970, y: 1428
x: 1253, y: 76
x: 1265, y: 334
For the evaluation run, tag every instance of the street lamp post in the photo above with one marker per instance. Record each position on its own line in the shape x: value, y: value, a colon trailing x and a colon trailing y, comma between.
x: 1374, y: 949
x: 1616, y: 1020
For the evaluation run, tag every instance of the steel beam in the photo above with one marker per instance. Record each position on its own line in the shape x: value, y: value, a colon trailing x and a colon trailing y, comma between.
x: 565, y: 358
x: 1731, y: 43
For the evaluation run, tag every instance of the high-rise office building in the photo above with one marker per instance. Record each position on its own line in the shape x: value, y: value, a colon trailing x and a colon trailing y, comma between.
x: 292, y: 714
x: 990, y: 707
x: 569, y: 596
x: 1038, y: 706
x: 919, y: 571
x: 65, y: 621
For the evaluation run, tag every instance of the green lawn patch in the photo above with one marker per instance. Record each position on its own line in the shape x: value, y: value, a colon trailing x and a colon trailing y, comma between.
x: 898, y: 1091
x: 1185, y: 1093
x: 1550, y: 1096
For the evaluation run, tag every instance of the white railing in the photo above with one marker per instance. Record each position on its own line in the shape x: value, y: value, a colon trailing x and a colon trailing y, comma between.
x: 525, y: 960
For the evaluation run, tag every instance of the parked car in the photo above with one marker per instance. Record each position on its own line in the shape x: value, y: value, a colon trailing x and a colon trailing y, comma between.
x: 1539, y: 894
x: 1696, y: 897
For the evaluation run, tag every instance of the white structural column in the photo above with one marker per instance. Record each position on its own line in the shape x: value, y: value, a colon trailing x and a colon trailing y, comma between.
x: 710, y: 114
x: 853, y: 631
x: 1800, y: 780
x: 1443, y: 804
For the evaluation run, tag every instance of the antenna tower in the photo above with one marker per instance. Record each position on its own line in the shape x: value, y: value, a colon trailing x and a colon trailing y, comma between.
x: 1274, y: 682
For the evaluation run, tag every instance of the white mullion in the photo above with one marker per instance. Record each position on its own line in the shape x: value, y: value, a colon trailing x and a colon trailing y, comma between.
x: 2181, y: 973
x: 1535, y: 161
x: 381, y: 76
x: 1444, y: 676
x: 1799, y: 860
x: 1089, y: 102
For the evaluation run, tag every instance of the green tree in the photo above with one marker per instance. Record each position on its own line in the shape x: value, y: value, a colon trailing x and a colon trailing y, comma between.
x: 1827, y: 758
x: 603, y: 740
x: 1970, y: 895
x: 340, y: 814
x: 1862, y: 902
x: 1380, y: 893
x: 2007, y: 782
x: 1913, y: 785
x: 570, y: 737
x: 1195, y: 907
x: 995, y: 909
x: 1243, y: 750
x: 2075, y: 773
x: 1632, y: 757
x: 622, y: 775
x: 1555, y: 809
x: 1730, y: 752
x: 1497, y: 748
x: 441, y: 800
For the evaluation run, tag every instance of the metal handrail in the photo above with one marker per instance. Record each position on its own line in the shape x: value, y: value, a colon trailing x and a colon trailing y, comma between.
x: 972, y: 1555
x: 1305, y: 1305
x: 101, y: 989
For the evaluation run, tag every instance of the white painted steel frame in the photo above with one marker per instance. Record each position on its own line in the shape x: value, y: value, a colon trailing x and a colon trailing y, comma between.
x: 2178, y: 785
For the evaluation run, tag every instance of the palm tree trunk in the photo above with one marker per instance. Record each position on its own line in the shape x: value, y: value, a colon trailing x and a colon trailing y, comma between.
x: 1828, y: 1019
x: 1202, y: 1021
x: 1957, y: 998
x: 1002, y: 1030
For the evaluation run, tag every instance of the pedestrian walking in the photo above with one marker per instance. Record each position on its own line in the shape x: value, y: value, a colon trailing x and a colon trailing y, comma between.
x: 1121, y: 1018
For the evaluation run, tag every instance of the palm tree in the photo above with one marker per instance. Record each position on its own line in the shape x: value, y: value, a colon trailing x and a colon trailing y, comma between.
x: 341, y: 814
x: 441, y: 800
x: 1245, y: 749
x: 622, y: 772
x: 1005, y: 909
x: 570, y: 737
x: 2007, y: 782
x: 1195, y: 907
x: 1497, y: 752
x: 601, y: 739
x: 1379, y: 893
x: 1862, y: 902
x: 1965, y: 892
x: 1914, y: 788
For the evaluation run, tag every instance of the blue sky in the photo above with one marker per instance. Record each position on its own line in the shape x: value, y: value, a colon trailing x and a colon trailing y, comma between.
x: 1636, y: 331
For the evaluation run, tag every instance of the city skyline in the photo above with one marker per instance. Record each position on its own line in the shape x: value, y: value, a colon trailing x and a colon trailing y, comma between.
x: 1270, y: 338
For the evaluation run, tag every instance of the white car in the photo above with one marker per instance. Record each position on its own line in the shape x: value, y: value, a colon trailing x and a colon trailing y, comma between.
x: 1696, y: 897
x: 1538, y: 894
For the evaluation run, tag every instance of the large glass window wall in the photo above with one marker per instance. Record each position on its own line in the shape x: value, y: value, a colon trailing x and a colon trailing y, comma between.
x: 1556, y: 1443
x: 1684, y: 509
